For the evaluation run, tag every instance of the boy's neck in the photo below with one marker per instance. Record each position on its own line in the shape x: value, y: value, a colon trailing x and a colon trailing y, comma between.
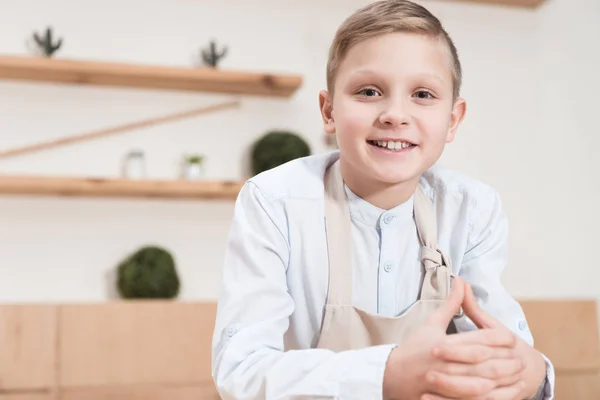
x: 382, y: 195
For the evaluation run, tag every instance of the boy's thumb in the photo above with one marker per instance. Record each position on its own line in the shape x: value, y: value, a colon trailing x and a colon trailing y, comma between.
x: 451, y: 306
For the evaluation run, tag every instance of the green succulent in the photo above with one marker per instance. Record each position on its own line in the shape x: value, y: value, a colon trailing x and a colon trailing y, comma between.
x: 275, y: 148
x: 194, y: 159
x: 150, y: 272
x: 47, y: 43
x: 211, y: 56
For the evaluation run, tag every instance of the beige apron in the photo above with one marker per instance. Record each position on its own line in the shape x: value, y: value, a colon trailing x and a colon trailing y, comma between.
x: 346, y: 327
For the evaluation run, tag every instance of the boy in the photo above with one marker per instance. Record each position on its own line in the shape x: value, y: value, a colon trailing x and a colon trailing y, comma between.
x: 346, y: 273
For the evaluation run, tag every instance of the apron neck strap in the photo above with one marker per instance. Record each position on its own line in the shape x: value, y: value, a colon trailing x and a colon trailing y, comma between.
x: 426, y: 229
x: 339, y: 243
x: 437, y: 279
x: 436, y: 282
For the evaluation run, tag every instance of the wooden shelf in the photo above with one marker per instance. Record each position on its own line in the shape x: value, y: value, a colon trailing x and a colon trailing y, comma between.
x: 512, y: 3
x: 201, y: 79
x: 97, y: 187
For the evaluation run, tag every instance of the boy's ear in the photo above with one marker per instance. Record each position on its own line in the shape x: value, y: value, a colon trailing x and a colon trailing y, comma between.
x: 458, y: 114
x: 326, y: 107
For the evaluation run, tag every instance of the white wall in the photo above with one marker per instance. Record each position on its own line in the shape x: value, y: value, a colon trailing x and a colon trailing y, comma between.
x: 530, y: 132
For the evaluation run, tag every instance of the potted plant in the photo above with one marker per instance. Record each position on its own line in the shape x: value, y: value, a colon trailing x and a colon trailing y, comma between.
x: 193, y: 166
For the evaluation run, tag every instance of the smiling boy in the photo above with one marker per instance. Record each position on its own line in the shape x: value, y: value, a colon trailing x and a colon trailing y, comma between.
x: 346, y: 273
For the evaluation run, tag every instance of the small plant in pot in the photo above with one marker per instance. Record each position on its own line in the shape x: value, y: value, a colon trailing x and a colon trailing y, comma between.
x: 193, y: 166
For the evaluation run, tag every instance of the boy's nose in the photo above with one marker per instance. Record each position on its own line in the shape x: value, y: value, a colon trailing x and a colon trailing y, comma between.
x: 395, y: 114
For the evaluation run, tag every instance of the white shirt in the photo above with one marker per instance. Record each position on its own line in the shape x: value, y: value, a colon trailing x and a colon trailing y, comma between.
x: 275, y: 279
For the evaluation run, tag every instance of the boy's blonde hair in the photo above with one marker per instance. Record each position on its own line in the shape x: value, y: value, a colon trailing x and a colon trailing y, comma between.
x: 389, y: 16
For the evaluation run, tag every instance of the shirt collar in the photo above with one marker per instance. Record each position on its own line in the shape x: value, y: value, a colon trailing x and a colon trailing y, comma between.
x: 372, y: 215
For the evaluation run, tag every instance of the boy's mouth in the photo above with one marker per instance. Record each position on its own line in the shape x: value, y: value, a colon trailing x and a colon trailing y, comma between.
x: 394, y: 145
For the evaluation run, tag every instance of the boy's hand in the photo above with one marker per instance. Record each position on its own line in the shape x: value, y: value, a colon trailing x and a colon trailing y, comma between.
x: 517, y: 370
x: 413, y: 370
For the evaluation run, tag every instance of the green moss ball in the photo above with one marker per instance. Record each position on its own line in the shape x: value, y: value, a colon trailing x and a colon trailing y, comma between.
x: 275, y: 148
x: 148, y: 273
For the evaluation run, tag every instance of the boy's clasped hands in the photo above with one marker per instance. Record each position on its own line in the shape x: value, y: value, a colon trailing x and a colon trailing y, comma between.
x: 490, y: 363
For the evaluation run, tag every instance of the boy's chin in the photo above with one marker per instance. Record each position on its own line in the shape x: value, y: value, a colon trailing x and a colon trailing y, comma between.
x: 396, y: 177
x: 391, y: 179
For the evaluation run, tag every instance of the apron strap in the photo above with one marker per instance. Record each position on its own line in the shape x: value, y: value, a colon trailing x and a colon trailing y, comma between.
x: 436, y: 283
x: 339, y: 243
x: 438, y: 271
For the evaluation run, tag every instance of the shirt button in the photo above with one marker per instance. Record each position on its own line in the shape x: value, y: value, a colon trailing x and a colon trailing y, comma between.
x: 387, y: 266
x: 523, y: 325
x: 230, y: 331
x: 388, y: 219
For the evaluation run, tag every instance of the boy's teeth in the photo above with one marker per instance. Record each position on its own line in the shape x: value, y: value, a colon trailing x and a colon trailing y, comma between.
x: 391, y: 145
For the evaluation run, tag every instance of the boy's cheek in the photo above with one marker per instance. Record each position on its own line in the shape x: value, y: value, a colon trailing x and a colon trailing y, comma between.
x: 355, y: 121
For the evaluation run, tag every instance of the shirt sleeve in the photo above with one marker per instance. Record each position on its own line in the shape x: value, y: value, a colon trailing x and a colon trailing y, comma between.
x: 249, y: 360
x: 482, y: 267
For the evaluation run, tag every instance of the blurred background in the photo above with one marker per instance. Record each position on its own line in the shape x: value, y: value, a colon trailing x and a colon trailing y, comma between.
x: 530, y: 80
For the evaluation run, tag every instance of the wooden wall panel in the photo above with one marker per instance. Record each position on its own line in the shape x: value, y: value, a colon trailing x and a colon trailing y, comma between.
x: 155, y: 350
x: 135, y: 342
x: 582, y: 386
x: 27, y: 396
x: 566, y: 331
x: 146, y: 393
x: 27, y: 347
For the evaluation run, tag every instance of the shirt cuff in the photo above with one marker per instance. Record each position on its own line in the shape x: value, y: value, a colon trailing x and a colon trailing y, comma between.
x: 364, y: 379
x: 546, y: 391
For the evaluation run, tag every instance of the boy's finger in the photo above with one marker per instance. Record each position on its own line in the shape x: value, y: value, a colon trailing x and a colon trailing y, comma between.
x: 511, y: 392
x: 510, y: 380
x: 485, y: 337
x: 473, y: 353
x: 443, y: 315
x: 502, y: 371
x: 472, y: 310
x: 434, y: 397
x: 503, y: 393
x: 458, y: 386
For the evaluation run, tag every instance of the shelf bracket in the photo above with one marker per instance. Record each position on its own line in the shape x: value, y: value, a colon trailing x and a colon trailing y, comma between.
x: 116, y: 129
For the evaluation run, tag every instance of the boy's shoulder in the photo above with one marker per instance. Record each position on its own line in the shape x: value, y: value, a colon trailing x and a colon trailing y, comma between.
x: 301, y: 178
x: 451, y: 186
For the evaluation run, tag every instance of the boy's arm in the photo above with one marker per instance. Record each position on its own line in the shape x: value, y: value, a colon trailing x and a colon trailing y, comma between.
x: 482, y: 266
x: 249, y: 361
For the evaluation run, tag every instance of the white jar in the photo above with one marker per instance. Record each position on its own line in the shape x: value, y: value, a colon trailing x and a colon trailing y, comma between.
x: 134, y: 165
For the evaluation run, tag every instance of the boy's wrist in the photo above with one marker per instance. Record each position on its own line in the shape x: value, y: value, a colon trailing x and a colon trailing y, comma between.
x: 394, y: 374
x: 535, y: 374
x: 389, y: 375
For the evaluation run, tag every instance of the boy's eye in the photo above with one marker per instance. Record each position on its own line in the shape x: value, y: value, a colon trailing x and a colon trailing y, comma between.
x: 422, y: 94
x: 369, y: 92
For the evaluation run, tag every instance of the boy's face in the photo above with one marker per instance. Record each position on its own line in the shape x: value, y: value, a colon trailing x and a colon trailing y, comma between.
x: 392, y: 109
